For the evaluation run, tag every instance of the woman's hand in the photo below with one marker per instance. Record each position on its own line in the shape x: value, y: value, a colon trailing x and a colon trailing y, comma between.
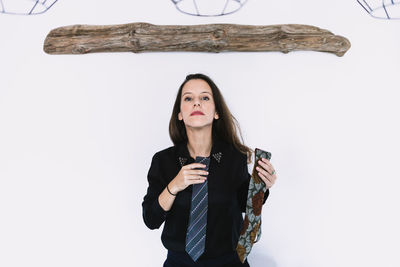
x: 267, y: 172
x: 187, y: 176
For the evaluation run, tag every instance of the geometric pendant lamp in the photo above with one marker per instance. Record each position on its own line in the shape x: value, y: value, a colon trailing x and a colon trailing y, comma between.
x: 208, y: 8
x: 25, y: 7
x: 382, y: 9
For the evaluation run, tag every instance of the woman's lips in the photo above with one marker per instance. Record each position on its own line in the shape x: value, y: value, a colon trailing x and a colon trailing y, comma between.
x: 197, y: 113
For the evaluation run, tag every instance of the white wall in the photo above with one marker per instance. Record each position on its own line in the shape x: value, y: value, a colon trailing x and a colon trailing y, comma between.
x: 77, y: 133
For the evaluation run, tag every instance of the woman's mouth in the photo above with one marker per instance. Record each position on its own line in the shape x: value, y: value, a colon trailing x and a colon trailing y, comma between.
x: 197, y: 113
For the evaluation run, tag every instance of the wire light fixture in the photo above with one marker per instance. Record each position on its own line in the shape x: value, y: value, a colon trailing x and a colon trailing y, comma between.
x: 25, y: 7
x: 208, y: 8
x: 382, y: 9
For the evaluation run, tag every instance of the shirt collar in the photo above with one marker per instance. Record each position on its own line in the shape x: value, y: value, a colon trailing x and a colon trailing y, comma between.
x: 184, y: 155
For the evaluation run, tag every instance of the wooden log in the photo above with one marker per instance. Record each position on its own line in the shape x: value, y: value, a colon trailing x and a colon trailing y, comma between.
x: 145, y: 37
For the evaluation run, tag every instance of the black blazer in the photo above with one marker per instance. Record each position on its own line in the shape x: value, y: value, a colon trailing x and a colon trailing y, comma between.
x: 228, y: 182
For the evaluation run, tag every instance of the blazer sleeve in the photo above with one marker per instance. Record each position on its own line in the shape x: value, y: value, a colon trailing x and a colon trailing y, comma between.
x: 153, y: 214
x: 244, y: 181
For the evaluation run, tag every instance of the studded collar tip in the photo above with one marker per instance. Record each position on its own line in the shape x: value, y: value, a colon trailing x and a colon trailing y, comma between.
x: 217, y: 156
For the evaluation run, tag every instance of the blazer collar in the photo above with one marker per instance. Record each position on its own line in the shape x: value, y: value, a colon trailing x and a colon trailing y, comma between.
x: 184, y: 155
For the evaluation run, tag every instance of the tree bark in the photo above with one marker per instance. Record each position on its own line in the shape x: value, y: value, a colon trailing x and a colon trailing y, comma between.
x: 145, y: 37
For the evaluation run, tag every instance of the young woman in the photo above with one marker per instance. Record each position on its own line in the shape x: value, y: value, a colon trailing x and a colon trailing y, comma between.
x: 201, y: 125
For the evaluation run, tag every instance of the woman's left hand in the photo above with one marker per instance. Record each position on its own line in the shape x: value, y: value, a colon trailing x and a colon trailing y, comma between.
x: 267, y: 172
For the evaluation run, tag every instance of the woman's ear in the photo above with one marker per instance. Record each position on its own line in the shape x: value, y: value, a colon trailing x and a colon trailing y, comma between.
x: 216, y: 116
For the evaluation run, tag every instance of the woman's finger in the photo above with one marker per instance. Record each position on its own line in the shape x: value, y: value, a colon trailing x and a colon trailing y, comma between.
x: 197, y: 178
x: 265, y: 179
x: 265, y: 166
x: 263, y: 171
x: 199, y: 172
x: 264, y: 174
x: 193, y: 166
x: 271, y: 168
x: 266, y: 162
x: 195, y: 172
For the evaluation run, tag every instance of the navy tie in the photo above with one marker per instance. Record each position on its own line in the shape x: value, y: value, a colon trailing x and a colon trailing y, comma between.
x: 196, y: 232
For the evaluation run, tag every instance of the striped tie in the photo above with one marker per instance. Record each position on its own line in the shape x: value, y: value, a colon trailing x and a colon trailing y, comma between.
x: 196, y: 232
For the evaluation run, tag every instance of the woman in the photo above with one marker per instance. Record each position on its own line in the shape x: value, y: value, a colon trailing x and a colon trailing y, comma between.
x: 201, y: 126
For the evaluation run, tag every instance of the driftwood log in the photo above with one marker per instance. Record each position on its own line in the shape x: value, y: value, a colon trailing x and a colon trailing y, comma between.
x: 145, y: 37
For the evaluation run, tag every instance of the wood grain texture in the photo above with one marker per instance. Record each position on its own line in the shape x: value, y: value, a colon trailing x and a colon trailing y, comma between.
x: 145, y: 37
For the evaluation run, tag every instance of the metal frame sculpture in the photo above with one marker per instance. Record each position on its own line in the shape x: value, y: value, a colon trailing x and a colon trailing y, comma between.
x: 25, y: 7
x: 382, y: 9
x: 208, y: 8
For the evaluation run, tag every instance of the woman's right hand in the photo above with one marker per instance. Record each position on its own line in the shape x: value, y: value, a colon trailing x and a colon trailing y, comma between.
x: 188, y: 175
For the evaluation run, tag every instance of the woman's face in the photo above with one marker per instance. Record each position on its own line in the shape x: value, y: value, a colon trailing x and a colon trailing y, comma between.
x: 197, y: 97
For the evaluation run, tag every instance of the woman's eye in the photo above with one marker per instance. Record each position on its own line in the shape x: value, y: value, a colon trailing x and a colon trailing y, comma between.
x: 189, y: 98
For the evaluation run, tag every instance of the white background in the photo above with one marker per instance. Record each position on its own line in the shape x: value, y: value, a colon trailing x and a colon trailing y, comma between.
x: 77, y: 134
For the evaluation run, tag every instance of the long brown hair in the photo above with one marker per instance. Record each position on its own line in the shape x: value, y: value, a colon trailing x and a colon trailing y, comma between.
x: 226, y: 127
